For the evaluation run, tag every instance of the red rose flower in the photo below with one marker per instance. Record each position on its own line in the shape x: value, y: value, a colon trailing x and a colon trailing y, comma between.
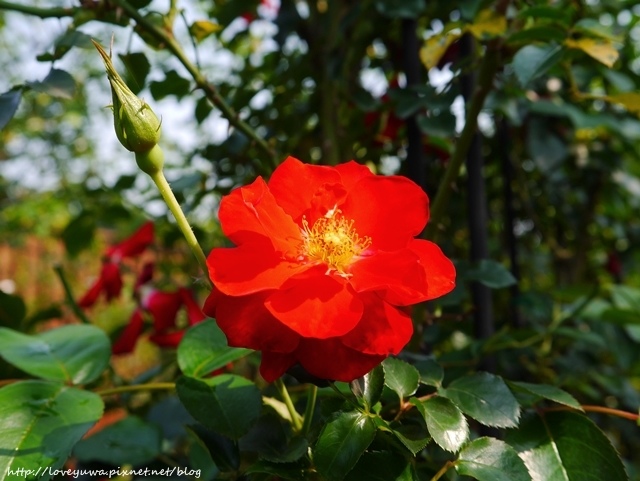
x: 325, y: 260
x: 162, y: 308
x: 110, y: 281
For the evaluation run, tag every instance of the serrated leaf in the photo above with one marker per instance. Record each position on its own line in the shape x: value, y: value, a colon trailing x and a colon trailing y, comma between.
x: 341, y: 443
x: 431, y: 373
x: 130, y: 441
x: 40, y: 423
x: 369, y: 387
x: 566, y: 446
x: 446, y: 424
x: 400, y: 377
x: 549, y: 392
x: 227, y: 404
x: 201, y: 29
x: 9, y: 102
x: 58, y: 83
x: 486, y: 398
x: 414, y: 437
x: 532, y: 61
x: 435, y: 47
x: 489, y: 459
x: 487, y: 24
x: 601, y: 50
x: 204, y: 349
x: 75, y: 354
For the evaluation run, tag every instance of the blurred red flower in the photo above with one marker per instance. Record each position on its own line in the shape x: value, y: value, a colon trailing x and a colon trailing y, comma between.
x: 109, y: 282
x: 324, y: 263
x: 162, y: 308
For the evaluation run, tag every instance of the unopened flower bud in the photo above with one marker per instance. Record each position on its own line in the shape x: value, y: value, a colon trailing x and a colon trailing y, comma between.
x: 137, y: 126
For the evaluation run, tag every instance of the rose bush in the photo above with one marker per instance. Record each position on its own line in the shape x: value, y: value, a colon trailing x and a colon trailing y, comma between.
x: 324, y: 266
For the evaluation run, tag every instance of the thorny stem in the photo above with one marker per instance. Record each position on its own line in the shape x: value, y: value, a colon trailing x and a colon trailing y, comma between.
x: 54, y: 12
x: 312, y: 394
x: 155, y: 386
x: 69, y: 296
x: 284, y: 394
x: 170, y: 199
x: 210, y: 90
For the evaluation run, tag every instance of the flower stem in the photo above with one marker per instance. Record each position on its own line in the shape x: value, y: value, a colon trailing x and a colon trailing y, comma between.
x: 167, y: 194
x: 284, y: 394
x: 53, y: 12
x: 598, y: 409
x: 312, y: 394
x: 69, y: 296
x: 160, y: 386
x: 442, y: 471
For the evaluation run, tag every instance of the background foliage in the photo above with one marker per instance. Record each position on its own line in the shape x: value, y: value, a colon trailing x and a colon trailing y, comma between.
x: 542, y: 222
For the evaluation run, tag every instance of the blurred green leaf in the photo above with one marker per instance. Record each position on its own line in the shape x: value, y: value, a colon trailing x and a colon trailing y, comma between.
x: 400, y: 8
x: 12, y: 310
x: 532, y: 61
x: 492, y: 274
x: 75, y: 354
x: 173, y: 84
x: 486, y: 398
x: 343, y: 439
x: 137, y: 68
x: 79, y: 232
x: 227, y: 404
x: 130, y: 441
x: 9, y: 102
x: 489, y: 459
x: 58, y: 83
x: 562, y: 446
x: 40, y: 423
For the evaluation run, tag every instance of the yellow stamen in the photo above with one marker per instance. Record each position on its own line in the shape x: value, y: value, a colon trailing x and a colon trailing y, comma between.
x: 333, y: 241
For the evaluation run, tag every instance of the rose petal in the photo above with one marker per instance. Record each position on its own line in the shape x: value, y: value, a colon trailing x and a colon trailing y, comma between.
x: 111, y: 281
x: 351, y: 172
x: 134, y: 245
x: 397, y: 273
x: 330, y: 359
x: 169, y: 339
x: 299, y: 187
x: 274, y: 364
x: 390, y: 210
x: 247, y: 323
x: 249, y: 268
x: 91, y: 296
x: 440, y: 271
x: 252, y: 211
x: 384, y: 329
x: 194, y: 313
x: 164, y: 307
x: 129, y: 336
x: 318, y: 307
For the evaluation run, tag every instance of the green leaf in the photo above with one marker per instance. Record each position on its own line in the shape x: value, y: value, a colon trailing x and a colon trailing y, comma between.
x: 401, y: 8
x: 341, y: 443
x: 489, y: 459
x: 381, y: 466
x: 446, y: 424
x: 602, y: 50
x: 137, y: 67
x: 204, y: 349
x: 173, y: 84
x: 566, y: 446
x: 289, y: 471
x: 492, y: 274
x: 78, y: 234
x: 431, y: 373
x: 227, y: 404
x: 413, y: 436
x: 532, y: 61
x: 58, y: 83
x: 200, y: 457
x: 40, y: 423
x: 74, y: 38
x: 546, y: 391
x: 75, y: 354
x: 486, y: 398
x: 594, y: 28
x: 400, y: 377
x: 369, y: 387
x: 9, y: 102
x: 130, y: 441
x: 201, y: 29
x: 625, y: 297
x: 12, y: 309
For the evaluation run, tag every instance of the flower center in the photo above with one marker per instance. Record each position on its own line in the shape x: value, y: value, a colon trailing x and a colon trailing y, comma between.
x: 333, y: 241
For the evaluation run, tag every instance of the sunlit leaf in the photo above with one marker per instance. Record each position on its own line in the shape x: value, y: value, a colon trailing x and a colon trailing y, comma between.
x: 487, y: 24
x: 602, y: 50
x: 488, y: 459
